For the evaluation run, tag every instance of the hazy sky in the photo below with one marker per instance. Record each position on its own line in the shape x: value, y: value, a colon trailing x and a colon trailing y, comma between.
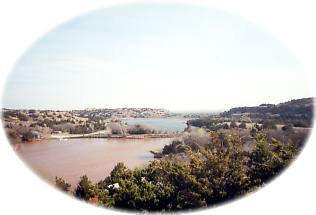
x: 178, y: 57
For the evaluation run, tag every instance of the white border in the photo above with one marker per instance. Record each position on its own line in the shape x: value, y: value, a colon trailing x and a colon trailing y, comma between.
x: 22, y: 22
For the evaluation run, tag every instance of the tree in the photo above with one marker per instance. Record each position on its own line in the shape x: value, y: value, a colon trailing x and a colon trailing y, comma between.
x: 204, y: 174
x: 62, y: 184
x: 233, y: 124
x: 268, y: 159
x: 225, y: 126
x: 87, y: 191
x: 175, y: 147
x: 258, y: 127
x: 85, y: 188
x: 30, y: 135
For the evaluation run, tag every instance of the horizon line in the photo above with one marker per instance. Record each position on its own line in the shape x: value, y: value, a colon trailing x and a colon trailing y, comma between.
x: 166, y: 109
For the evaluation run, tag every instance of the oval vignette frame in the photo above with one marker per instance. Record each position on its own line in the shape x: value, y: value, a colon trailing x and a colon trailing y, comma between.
x: 157, y: 49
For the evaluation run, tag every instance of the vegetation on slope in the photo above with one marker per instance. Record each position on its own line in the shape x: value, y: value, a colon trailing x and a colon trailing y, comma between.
x: 201, y: 170
x: 298, y: 112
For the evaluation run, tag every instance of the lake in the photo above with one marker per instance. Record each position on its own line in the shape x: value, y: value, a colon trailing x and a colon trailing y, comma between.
x: 171, y: 124
x: 94, y: 157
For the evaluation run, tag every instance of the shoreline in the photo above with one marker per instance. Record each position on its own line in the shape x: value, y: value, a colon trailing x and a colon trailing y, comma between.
x: 92, y: 136
x: 111, y: 136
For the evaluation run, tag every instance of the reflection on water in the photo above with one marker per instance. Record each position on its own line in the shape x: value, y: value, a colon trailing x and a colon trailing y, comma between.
x: 94, y: 157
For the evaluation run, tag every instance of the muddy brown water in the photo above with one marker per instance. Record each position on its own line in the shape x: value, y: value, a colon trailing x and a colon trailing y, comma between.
x: 95, y: 158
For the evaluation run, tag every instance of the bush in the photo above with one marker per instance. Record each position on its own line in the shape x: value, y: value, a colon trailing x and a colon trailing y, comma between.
x: 206, y: 122
x: 269, y: 125
x: 13, y: 135
x: 116, y: 128
x: 303, y: 124
x: 175, y: 147
x: 213, y: 173
x: 87, y: 191
x: 23, y: 117
x: 30, y: 135
x: 225, y: 126
x: 288, y: 127
x: 233, y: 124
x: 140, y: 129
x: 242, y: 125
x: 62, y: 184
x: 268, y: 159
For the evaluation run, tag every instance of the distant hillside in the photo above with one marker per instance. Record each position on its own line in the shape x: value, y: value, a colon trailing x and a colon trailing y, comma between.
x: 298, y: 112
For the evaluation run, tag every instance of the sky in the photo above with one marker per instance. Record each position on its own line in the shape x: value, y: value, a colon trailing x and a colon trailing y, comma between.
x: 174, y: 56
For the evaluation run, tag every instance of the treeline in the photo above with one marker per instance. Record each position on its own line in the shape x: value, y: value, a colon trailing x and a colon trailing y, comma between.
x: 214, y: 124
x: 201, y: 171
x: 217, y: 124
